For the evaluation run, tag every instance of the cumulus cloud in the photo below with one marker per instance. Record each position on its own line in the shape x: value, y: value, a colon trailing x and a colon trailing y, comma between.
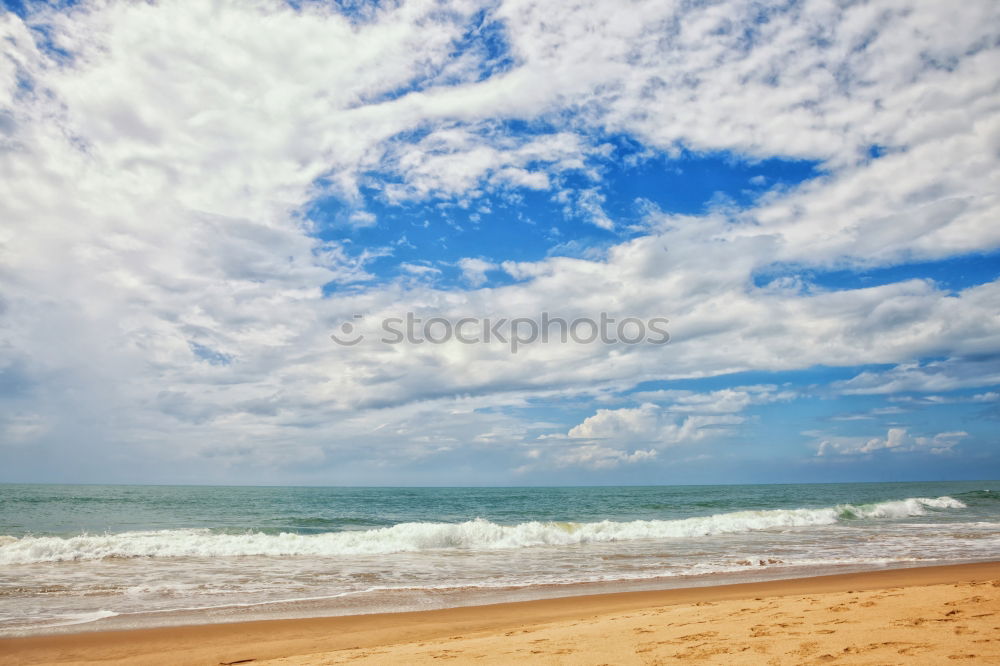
x: 649, y: 423
x: 672, y: 417
x: 897, y: 440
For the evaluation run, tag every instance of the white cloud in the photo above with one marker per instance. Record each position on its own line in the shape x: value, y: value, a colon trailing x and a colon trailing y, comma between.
x: 591, y: 456
x: 595, y: 456
x: 474, y: 270
x: 587, y: 203
x: 362, y: 218
x: 704, y: 415
x: 897, y: 440
x: 948, y: 375
x: 723, y: 401
x: 649, y: 423
x: 153, y: 190
x: 464, y: 162
x: 419, y: 269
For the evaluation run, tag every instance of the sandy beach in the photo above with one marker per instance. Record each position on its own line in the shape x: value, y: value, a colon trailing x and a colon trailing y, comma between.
x: 929, y: 615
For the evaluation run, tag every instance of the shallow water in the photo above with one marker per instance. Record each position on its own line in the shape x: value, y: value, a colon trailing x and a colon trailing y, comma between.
x: 79, y: 557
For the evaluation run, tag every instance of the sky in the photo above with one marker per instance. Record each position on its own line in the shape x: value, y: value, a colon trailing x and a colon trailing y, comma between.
x: 199, y: 199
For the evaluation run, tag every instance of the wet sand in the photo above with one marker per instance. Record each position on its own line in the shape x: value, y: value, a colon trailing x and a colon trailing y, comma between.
x: 928, y: 615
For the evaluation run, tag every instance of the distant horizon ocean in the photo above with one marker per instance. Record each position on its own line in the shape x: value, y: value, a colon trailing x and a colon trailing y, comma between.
x: 80, y: 557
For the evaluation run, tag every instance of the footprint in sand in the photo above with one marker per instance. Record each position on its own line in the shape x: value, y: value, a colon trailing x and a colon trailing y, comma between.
x: 699, y: 637
x: 444, y: 655
x: 805, y: 649
x: 963, y: 602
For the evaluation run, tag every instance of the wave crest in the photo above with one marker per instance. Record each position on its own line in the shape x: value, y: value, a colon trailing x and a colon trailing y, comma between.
x: 478, y: 534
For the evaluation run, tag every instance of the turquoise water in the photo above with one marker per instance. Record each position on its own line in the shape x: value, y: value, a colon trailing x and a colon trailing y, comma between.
x: 89, y: 556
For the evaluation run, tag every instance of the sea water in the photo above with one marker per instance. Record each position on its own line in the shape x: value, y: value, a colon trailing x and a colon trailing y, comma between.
x: 94, y: 557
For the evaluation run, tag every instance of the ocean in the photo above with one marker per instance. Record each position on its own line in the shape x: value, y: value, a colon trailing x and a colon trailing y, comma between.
x: 75, y: 558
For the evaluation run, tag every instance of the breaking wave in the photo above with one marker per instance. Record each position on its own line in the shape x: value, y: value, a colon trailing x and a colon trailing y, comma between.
x: 476, y: 534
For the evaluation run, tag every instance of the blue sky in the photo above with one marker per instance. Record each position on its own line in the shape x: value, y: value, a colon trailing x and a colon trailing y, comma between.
x: 194, y: 198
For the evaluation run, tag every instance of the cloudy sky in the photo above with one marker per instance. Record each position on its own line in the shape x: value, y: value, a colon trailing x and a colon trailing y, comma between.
x: 195, y: 195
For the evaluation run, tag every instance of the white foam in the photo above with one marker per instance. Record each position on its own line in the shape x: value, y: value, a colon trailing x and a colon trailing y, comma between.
x: 913, y: 506
x: 82, y: 618
x: 476, y: 534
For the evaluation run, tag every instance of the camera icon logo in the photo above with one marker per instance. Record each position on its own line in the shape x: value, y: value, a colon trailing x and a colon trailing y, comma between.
x: 347, y: 337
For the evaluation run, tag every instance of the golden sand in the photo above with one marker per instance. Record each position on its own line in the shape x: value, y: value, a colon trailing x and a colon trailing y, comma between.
x: 931, y: 615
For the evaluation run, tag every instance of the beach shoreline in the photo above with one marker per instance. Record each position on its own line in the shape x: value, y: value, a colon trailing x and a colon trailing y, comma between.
x: 412, y: 636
